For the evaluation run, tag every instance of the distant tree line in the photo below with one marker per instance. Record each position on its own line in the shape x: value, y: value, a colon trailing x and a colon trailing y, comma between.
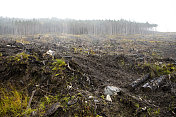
x: 18, y: 26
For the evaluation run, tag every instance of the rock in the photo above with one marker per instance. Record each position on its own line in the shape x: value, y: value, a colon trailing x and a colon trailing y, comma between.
x: 50, y: 52
x: 111, y: 90
x: 108, y: 98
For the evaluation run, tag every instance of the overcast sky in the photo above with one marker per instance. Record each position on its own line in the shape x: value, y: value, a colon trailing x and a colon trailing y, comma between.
x: 161, y: 12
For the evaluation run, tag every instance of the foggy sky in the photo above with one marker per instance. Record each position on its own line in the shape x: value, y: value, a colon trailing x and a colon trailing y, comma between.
x: 161, y: 12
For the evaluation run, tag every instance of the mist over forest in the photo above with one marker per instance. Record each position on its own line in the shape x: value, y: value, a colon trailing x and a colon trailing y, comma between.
x: 18, y: 26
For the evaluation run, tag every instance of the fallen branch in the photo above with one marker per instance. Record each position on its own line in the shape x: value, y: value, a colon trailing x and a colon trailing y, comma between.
x: 139, y: 81
x: 70, y: 67
x: 154, y: 83
x: 29, y: 104
x: 30, y: 100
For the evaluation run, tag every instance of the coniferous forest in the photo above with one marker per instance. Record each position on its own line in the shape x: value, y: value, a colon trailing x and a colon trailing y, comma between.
x: 17, y: 26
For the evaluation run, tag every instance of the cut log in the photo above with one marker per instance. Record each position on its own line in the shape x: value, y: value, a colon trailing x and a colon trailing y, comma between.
x: 139, y: 81
x: 158, y: 82
x: 146, y: 87
x: 154, y: 83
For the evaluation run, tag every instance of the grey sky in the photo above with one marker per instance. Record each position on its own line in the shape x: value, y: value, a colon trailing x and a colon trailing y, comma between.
x: 161, y: 12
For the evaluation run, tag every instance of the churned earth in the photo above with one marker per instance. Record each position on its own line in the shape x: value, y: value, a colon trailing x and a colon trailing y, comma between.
x: 66, y: 75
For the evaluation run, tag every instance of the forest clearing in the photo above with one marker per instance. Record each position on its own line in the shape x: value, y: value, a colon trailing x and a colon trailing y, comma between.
x: 96, y: 75
x: 87, y: 58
